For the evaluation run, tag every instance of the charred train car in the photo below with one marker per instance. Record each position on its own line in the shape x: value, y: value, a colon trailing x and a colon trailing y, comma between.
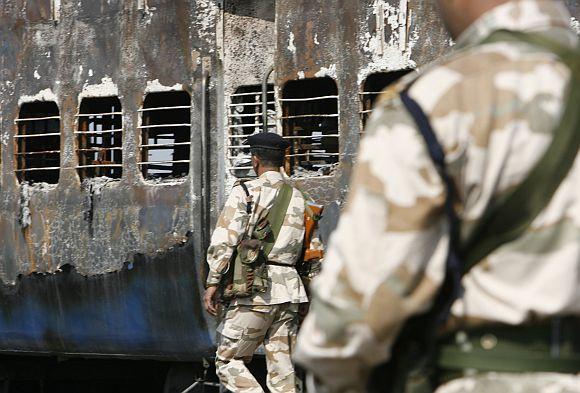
x: 121, y: 132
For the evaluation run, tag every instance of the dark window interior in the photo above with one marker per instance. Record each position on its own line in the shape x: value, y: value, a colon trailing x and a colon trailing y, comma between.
x: 372, y: 88
x: 165, y: 135
x: 38, y: 142
x: 100, y: 138
x: 310, y: 123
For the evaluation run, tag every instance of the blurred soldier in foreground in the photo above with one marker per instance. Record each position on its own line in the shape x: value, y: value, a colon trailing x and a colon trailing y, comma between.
x: 264, y: 301
x: 463, y: 139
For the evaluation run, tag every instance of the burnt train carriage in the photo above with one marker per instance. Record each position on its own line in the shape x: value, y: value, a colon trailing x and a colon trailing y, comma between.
x: 122, y: 127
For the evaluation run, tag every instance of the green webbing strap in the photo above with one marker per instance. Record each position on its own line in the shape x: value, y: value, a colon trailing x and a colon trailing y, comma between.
x: 510, y: 215
x: 276, y: 216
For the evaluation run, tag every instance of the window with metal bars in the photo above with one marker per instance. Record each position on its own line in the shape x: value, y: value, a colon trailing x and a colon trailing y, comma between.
x: 310, y: 123
x: 100, y: 138
x: 245, y: 119
x: 372, y: 88
x: 165, y: 134
x: 38, y: 142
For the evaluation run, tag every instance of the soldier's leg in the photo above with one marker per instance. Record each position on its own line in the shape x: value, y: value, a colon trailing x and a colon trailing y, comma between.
x: 242, y: 332
x: 279, y: 343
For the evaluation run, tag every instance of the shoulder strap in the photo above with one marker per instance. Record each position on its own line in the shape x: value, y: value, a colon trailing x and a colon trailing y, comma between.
x: 242, y: 183
x: 277, y: 214
x: 512, y: 214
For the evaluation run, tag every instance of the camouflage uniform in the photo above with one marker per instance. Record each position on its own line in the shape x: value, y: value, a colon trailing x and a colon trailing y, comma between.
x: 270, y: 317
x: 493, y: 108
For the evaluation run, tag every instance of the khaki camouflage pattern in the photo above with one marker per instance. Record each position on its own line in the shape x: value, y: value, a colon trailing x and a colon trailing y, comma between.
x: 503, y: 382
x: 243, y: 331
x: 493, y: 108
x: 284, y: 283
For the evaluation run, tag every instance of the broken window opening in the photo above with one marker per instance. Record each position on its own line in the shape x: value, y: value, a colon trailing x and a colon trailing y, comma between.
x: 310, y: 123
x: 245, y: 119
x: 165, y: 135
x: 38, y: 142
x: 100, y: 138
x: 372, y: 87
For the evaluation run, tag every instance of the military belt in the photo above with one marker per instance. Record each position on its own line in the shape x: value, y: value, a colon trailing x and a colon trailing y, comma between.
x: 552, y: 346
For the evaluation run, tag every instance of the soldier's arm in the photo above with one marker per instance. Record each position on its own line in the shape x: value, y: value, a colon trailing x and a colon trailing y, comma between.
x: 229, y: 229
x: 386, y: 259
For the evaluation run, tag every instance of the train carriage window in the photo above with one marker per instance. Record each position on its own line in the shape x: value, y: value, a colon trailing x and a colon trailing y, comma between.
x: 372, y: 88
x: 165, y: 135
x: 310, y: 122
x: 245, y: 119
x: 38, y: 142
x: 100, y: 138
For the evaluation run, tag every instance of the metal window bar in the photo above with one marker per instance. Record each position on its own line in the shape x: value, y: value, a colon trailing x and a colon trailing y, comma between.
x: 163, y: 108
x: 245, y: 118
x: 311, y: 125
x: 98, y: 114
x: 154, y: 129
x: 36, y: 118
x: 37, y: 135
x: 38, y: 142
x: 99, y: 136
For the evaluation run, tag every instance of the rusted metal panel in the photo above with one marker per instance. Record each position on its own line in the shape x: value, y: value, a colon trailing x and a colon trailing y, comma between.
x: 103, y: 48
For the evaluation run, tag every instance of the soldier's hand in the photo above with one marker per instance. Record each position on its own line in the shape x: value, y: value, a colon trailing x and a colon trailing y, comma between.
x: 210, y: 300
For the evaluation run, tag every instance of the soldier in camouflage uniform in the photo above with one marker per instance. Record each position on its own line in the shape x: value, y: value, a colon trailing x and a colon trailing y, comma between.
x: 493, y: 107
x: 270, y: 318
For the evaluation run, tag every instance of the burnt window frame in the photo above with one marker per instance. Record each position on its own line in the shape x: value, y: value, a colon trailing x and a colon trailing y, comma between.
x: 368, y: 98
x: 82, y: 132
x: 287, y: 121
x: 144, y: 128
x: 238, y: 104
x: 21, y: 136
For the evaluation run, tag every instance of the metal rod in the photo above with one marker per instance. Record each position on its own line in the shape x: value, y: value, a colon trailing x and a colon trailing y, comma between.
x: 37, y: 118
x: 265, y: 98
x: 310, y: 136
x: 167, y: 144
x: 100, y: 166
x: 100, y: 131
x: 31, y: 153
x: 314, y: 154
x: 100, y: 148
x: 37, y: 135
x: 251, y: 104
x: 162, y: 162
x: 307, y: 116
x: 257, y: 93
x: 245, y: 115
x: 98, y: 114
x: 245, y: 125
x: 206, y: 161
x: 308, y: 98
x: 49, y: 168
x: 167, y: 125
x: 162, y: 108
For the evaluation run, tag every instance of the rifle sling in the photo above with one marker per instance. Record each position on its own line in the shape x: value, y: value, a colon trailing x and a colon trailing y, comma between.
x: 276, y: 216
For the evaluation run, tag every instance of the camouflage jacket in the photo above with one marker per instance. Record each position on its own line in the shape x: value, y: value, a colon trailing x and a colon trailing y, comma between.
x: 285, y: 284
x: 493, y: 108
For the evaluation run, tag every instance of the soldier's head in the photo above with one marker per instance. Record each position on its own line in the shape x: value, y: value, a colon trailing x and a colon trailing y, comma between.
x: 268, y: 151
x: 458, y: 15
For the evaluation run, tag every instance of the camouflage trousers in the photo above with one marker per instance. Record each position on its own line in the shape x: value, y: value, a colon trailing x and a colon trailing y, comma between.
x: 242, y: 331
x: 512, y: 383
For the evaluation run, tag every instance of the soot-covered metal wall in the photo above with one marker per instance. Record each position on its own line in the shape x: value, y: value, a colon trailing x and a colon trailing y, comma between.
x: 69, y: 249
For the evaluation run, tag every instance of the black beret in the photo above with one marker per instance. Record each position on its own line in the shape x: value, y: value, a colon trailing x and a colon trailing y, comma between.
x: 267, y: 140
